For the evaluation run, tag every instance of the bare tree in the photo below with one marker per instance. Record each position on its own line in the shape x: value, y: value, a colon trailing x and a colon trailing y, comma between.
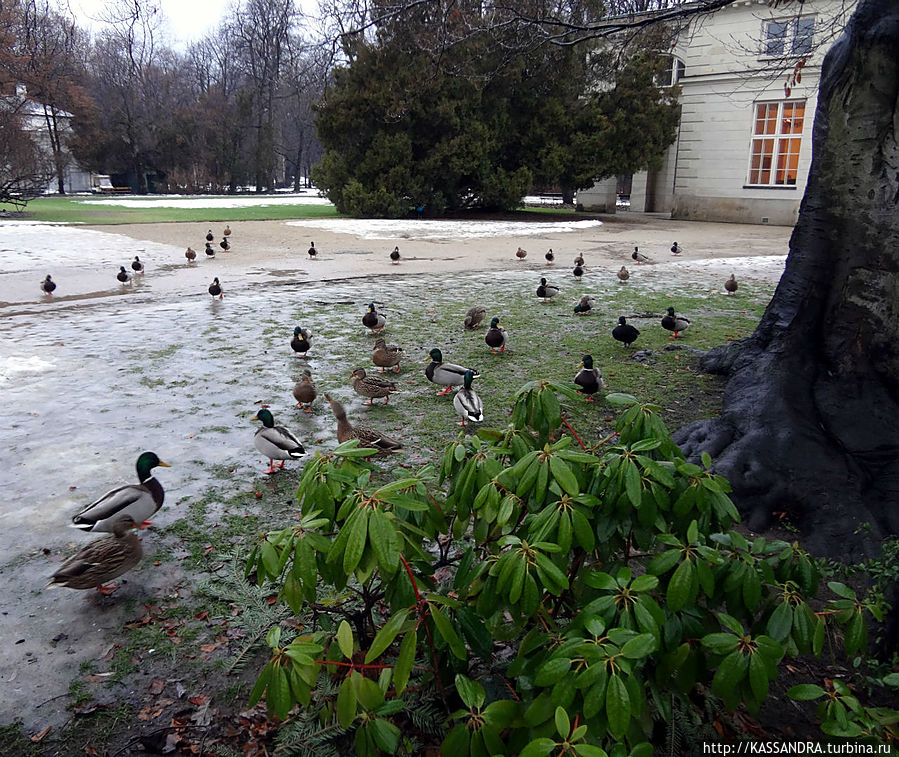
x: 24, y: 166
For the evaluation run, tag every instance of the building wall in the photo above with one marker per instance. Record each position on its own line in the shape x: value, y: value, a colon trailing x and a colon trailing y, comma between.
x: 706, y: 173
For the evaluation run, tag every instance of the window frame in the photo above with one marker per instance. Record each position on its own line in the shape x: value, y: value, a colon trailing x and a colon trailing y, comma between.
x: 781, y: 156
x: 787, y: 45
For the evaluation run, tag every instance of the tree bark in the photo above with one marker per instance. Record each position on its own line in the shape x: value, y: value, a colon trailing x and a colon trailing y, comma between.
x: 810, y: 422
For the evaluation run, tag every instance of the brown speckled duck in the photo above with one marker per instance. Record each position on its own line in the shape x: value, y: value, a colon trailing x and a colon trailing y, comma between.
x: 371, y: 386
x: 367, y: 436
x: 305, y: 392
x: 102, y: 560
x: 386, y: 356
x: 474, y: 316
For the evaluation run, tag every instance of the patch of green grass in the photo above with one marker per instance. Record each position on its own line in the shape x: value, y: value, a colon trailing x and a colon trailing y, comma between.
x: 14, y: 741
x: 79, y: 693
x: 90, y: 211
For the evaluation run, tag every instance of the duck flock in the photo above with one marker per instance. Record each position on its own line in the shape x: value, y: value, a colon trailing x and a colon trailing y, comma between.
x: 119, y: 512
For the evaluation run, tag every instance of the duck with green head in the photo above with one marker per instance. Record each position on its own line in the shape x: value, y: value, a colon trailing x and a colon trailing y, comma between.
x: 302, y: 340
x: 675, y: 323
x: 446, y: 374
x: 137, y: 501
x: 495, y: 337
x: 215, y: 289
x: 547, y: 291
x: 275, y: 442
x: 373, y: 320
x: 104, y: 559
x: 467, y: 403
x: 588, y: 378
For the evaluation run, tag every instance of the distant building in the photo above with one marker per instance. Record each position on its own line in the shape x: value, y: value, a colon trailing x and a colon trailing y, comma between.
x: 749, y: 77
x: 33, y: 117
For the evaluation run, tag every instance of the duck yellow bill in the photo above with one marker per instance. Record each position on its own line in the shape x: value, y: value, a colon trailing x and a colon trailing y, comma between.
x: 164, y: 465
x: 255, y: 418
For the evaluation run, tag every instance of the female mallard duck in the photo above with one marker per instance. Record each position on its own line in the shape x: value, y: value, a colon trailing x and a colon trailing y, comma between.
x: 373, y: 320
x: 136, y: 265
x: 215, y: 288
x: 371, y: 386
x: 521, y: 254
x: 623, y: 275
x: 386, y: 356
x: 305, y: 392
x: 367, y: 436
x: 122, y: 275
x: 496, y: 336
x: 730, y: 285
x: 547, y: 291
x: 639, y: 257
x: 102, y: 560
x: 473, y: 317
x: 227, y: 231
x: 209, y: 236
x: 584, y: 305
x: 446, y: 374
x: 302, y: 340
x: 675, y: 323
x: 579, y: 260
x: 210, y: 253
x: 625, y: 333
x: 395, y: 255
x: 225, y: 244
x: 275, y: 442
x: 137, y: 501
x: 588, y: 378
x: 312, y: 251
x: 550, y: 257
x: 190, y: 254
x: 468, y: 405
x: 48, y: 285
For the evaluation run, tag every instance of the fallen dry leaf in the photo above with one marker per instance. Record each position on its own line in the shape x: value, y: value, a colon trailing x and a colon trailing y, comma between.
x: 38, y: 736
x: 156, y: 687
x: 199, y: 700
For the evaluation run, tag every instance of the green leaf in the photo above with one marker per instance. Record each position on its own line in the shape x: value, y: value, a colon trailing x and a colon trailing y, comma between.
x: 345, y: 639
x: 731, y: 671
x: 841, y: 590
x: 384, y: 638
x: 805, y: 692
x: 588, y: 750
x: 618, y: 706
x: 758, y: 677
x: 457, y: 741
x: 639, y: 647
x: 277, y: 695
x: 261, y: 683
x: 385, y: 734
x: 405, y: 661
x: 552, y: 572
x: 501, y: 713
x: 564, y: 476
x: 781, y: 622
x: 680, y: 587
x: 721, y: 643
x: 270, y: 560
x: 446, y: 630
x: 663, y: 562
x: 632, y: 483
x: 563, y: 724
x: 599, y: 580
x: 470, y: 692
x: 623, y: 400
x: 856, y: 635
x: 356, y: 539
x: 346, y: 703
x: 551, y: 409
x: 552, y: 671
x: 538, y: 748
x: 384, y: 542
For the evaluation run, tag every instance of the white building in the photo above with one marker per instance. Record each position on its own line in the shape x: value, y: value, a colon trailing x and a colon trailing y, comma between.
x: 749, y: 77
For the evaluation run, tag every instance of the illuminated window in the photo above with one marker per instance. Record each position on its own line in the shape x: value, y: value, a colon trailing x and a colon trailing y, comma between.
x: 788, y: 38
x: 776, y: 138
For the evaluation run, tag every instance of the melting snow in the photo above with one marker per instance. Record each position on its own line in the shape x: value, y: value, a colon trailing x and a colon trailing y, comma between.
x: 387, y: 229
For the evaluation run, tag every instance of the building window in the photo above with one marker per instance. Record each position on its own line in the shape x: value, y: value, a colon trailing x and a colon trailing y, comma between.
x: 673, y: 72
x: 776, y: 138
x: 788, y: 38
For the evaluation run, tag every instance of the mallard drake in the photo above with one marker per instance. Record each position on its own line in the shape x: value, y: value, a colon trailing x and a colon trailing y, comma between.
x: 623, y: 275
x: 496, y: 336
x: 676, y: 249
x: 395, y: 255
x: 190, y: 254
x: 584, y: 305
x: 730, y: 285
x: 468, y: 405
x: 215, y: 288
x: 373, y: 320
x: 473, y: 317
x: 547, y: 291
x: 275, y: 442
x: 48, y: 285
x: 366, y: 435
x: 209, y: 236
x: 625, y: 333
x: 371, y: 386
x: 550, y: 257
x: 225, y: 244
x: 137, y: 501
x: 304, y: 391
x: 386, y: 356
x: 102, y: 560
x: 210, y: 253
x: 521, y: 254
x: 578, y: 272
x: 312, y: 251
x: 579, y: 260
x: 302, y: 340
x: 136, y: 265
x: 446, y: 374
x: 588, y: 378
x: 123, y: 275
x: 675, y: 323
x: 639, y: 257
x: 227, y: 231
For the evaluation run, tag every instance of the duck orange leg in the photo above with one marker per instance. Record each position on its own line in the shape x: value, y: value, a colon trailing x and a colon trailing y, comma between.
x: 445, y: 391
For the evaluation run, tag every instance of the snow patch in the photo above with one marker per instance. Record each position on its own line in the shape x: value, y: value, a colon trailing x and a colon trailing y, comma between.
x: 372, y: 228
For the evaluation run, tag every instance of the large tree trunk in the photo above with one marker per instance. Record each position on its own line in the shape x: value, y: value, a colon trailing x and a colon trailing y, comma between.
x: 810, y: 423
